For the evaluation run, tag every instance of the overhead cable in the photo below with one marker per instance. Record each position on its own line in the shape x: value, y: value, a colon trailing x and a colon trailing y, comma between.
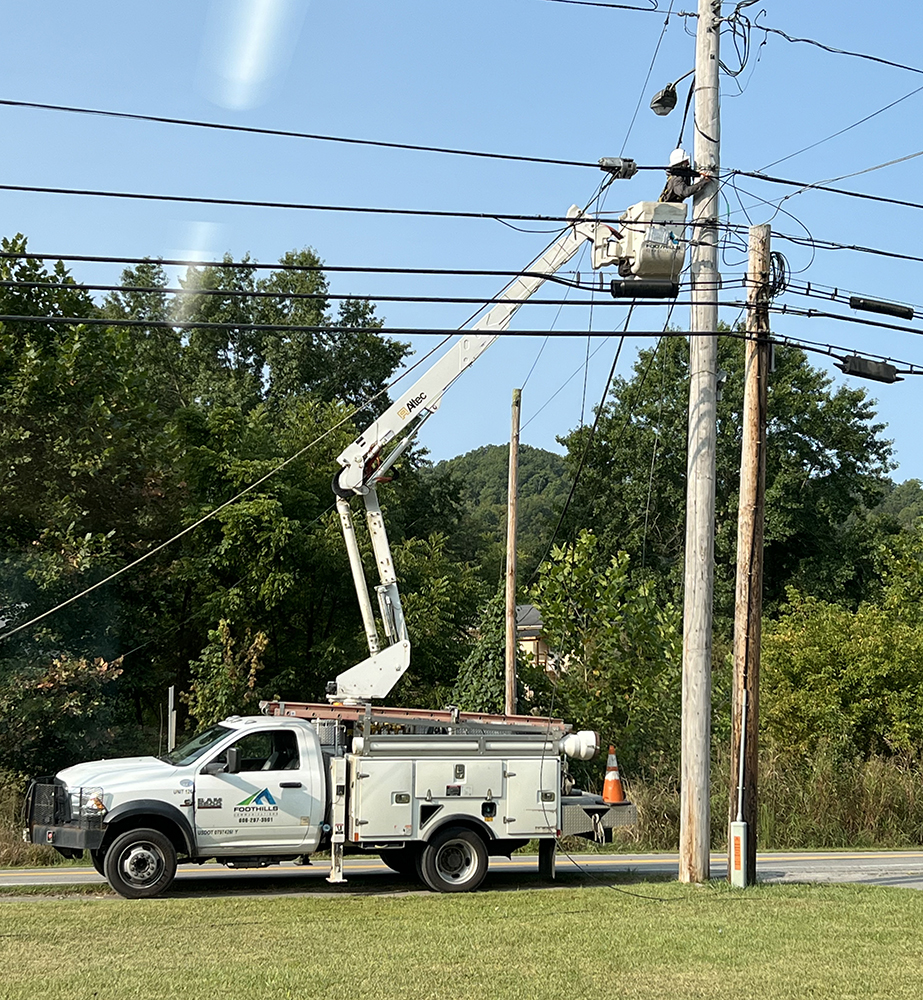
x: 653, y: 9
x: 833, y: 135
x: 295, y: 205
x: 817, y: 243
x: 217, y: 510
x: 243, y: 293
x: 403, y: 331
x: 840, y: 52
x: 288, y: 133
x: 756, y: 175
x: 455, y: 331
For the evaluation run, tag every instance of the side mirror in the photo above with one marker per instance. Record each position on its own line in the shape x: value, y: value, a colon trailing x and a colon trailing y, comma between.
x: 233, y: 758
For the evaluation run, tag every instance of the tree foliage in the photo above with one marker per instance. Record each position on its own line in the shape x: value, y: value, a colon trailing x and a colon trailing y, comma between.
x: 850, y: 681
x: 826, y: 467
x: 482, y: 479
x: 618, y: 647
x: 116, y: 439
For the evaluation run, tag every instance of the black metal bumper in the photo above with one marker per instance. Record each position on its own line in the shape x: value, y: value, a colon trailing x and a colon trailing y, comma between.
x: 47, y: 819
x: 71, y: 837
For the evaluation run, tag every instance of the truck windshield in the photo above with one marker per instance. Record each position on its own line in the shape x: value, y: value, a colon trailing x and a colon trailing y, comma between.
x: 198, y: 745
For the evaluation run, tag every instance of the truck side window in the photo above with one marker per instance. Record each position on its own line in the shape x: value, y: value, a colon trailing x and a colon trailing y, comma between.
x: 267, y: 751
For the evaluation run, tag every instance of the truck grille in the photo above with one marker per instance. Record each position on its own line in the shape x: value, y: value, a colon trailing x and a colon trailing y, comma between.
x: 47, y: 803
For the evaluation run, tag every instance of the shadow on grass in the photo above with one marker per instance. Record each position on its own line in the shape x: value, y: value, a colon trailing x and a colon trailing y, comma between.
x: 389, y: 883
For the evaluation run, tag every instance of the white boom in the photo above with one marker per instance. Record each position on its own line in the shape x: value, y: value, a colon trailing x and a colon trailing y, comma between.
x: 363, y: 463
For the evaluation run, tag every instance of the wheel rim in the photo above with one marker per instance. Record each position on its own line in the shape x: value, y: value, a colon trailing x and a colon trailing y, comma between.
x: 141, y: 865
x: 456, y: 862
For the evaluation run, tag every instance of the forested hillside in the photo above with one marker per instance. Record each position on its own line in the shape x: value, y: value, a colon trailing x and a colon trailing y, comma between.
x: 482, y: 479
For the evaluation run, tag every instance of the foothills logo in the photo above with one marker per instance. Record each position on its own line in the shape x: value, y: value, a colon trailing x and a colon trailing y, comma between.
x: 263, y: 798
x: 257, y: 808
x: 405, y: 411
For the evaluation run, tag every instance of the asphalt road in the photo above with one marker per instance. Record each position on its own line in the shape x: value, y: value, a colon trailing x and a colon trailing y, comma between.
x: 888, y: 868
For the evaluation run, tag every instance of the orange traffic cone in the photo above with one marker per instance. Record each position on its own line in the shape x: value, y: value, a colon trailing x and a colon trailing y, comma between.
x: 612, y: 789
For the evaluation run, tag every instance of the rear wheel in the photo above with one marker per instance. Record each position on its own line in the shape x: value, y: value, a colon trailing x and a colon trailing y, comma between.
x: 140, y: 864
x: 455, y: 860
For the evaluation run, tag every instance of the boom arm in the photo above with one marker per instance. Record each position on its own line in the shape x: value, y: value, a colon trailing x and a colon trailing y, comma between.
x: 363, y: 464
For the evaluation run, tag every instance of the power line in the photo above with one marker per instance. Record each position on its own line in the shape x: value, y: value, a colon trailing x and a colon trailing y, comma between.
x: 818, y: 244
x: 650, y: 70
x: 300, y: 206
x: 823, y: 187
x: 654, y: 9
x: 833, y: 135
x: 835, y: 51
x: 287, y: 133
x: 787, y: 310
x: 216, y: 510
x: 242, y: 293
x: 420, y: 212
x: 181, y: 534
x: 294, y: 205
x: 445, y: 271
x: 832, y: 293
x: 560, y: 277
x: 294, y: 328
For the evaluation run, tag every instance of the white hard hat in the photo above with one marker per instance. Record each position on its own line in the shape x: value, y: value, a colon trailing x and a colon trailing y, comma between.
x: 678, y: 156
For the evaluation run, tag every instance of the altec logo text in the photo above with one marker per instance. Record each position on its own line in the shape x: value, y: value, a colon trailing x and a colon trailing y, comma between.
x: 261, y: 801
x: 410, y: 406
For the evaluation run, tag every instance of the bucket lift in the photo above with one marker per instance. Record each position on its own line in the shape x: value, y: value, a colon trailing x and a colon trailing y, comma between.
x: 648, y: 247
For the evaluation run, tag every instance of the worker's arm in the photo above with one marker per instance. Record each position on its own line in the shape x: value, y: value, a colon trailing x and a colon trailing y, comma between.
x: 683, y: 190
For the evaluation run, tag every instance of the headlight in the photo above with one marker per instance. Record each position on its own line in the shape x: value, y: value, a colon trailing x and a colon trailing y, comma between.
x: 88, y: 802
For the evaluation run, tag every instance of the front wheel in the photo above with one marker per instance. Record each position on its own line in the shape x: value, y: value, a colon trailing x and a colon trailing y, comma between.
x: 140, y: 864
x: 98, y: 859
x: 455, y: 860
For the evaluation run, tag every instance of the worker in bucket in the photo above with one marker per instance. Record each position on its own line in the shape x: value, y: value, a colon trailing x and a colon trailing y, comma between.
x: 679, y: 184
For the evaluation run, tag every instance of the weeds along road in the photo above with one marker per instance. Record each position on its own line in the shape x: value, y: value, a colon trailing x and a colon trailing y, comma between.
x: 371, y: 876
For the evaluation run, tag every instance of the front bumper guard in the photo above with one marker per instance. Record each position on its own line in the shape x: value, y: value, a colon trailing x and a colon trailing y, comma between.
x: 48, y: 819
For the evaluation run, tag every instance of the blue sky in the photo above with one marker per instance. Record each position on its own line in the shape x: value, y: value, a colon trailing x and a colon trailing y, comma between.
x: 527, y: 77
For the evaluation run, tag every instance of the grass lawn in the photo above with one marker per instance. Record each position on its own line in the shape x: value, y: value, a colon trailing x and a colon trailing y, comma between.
x: 768, y: 942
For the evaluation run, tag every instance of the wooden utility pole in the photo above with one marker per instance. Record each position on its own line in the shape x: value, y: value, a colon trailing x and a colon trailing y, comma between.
x: 748, y: 604
x: 512, y: 508
x: 695, y: 814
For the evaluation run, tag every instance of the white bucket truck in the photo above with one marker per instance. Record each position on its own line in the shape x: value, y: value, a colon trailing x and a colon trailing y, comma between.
x: 435, y: 794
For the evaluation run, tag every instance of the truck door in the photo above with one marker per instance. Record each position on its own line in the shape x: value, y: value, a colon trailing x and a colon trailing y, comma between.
x: 269, y: 805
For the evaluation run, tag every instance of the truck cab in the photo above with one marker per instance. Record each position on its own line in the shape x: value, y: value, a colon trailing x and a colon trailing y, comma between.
x: 246, y: 790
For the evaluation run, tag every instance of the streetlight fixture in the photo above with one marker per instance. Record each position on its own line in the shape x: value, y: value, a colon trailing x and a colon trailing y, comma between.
x: 664, y: 101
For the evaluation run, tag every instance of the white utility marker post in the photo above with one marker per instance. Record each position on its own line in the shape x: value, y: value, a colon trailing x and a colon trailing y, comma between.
x: 700, y: 467
x: 511, y: 522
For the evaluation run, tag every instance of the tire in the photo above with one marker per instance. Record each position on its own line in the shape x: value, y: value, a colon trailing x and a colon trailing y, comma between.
x: 140, y: 864
x: 455, y: 860
x: 98, y: 859
x: 402, y: 860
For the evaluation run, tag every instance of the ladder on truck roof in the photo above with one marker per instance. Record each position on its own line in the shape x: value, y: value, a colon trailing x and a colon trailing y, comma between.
x: 413, y: 717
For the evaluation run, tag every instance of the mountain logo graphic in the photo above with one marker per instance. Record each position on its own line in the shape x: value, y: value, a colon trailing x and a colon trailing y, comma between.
x: 263, y: 798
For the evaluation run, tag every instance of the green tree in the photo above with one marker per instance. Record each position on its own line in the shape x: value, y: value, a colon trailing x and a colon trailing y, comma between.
x: 481, y: 682
x: 826, y: 467
x: 618, y: 647
x: 224, y: 678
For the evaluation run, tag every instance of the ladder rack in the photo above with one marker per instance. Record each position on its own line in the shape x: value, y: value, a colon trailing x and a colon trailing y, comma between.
x: 450, y: 718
